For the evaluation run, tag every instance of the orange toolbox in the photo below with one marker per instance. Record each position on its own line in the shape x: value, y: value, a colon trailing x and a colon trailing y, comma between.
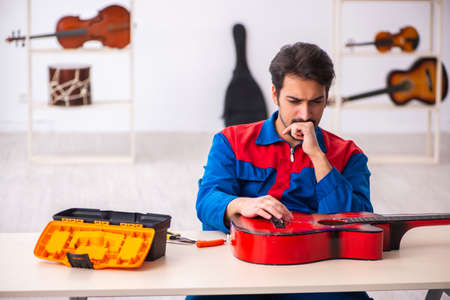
x: 98, y: 239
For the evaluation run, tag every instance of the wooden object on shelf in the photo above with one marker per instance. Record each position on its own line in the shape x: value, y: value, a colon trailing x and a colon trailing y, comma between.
x: 69, y: 85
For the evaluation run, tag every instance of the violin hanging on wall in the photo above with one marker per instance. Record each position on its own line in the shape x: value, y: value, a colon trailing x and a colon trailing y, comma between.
x: 308, y: 238
x: 111, y: 27
x: 407, y: 39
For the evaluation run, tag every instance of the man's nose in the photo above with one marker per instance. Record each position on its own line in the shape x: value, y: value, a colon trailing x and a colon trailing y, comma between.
x: 304, y: 112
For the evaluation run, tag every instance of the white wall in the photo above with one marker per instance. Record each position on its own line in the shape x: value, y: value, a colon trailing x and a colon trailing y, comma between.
x: 184, y: 58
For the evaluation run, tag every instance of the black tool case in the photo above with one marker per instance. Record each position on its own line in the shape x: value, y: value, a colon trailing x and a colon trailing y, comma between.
x: 160, y: 223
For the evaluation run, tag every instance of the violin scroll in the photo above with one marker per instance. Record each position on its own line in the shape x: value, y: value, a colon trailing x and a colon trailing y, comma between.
x: 16, y: 37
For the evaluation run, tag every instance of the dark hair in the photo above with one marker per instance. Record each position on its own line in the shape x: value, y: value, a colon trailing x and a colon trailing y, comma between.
x: 304, y: 60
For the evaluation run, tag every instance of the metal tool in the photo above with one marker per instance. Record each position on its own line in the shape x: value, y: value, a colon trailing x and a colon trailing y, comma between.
x: 176, y: 238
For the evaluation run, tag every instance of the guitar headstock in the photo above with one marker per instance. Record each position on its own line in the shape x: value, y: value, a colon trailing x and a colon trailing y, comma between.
x: 15, y: 36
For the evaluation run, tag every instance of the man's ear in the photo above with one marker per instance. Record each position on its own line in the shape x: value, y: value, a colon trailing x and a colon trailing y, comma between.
x: 274, y: 95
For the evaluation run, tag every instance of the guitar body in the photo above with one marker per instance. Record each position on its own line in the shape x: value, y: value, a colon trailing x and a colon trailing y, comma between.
x: 310, y: 238
x: 417, y: 83
x: 421, y: 78
x: 244, y: 100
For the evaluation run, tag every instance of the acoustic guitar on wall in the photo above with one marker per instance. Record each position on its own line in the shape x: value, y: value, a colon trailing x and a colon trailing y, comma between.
x: 416, y: 83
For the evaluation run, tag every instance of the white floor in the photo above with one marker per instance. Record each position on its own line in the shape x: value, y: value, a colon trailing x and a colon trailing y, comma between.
x: 164, y: 180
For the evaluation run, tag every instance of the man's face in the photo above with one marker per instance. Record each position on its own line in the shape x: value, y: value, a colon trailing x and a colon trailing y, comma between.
x: 300, y: 100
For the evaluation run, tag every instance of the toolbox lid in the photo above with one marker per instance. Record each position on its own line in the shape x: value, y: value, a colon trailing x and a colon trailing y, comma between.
x: 97, y: 246
x: 89, y: 215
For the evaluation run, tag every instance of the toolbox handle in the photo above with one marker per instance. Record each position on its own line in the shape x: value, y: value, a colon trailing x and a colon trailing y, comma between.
x: 79, y: 260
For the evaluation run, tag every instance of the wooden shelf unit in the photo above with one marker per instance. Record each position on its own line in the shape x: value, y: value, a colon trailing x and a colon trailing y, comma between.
x: 339, y: 54
x: 34, y: 104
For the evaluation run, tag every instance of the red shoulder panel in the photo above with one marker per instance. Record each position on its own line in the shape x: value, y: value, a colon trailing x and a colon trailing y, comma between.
x: 242, y: 139
x: 339, y: 150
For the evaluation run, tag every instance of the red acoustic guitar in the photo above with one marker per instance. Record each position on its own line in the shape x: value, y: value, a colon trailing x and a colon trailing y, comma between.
x: 316, y: 237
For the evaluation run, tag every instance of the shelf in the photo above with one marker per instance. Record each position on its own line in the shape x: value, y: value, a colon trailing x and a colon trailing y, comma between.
x: 42, y: 105
x: 388, y: 0
x: 400, y: 159
x: 80, y: 50
x: 384, y: 106
x: 80, y: 159
x: 433, y: 48
x: 386, y: 54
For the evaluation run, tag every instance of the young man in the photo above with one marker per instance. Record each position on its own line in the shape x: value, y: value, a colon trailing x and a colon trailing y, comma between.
x: 286, y: 163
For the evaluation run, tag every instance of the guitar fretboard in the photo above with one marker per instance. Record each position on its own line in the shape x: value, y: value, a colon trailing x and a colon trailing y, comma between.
x: 398, y: 218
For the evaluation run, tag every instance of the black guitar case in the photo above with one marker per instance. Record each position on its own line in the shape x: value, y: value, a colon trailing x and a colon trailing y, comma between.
x: 244, y: 101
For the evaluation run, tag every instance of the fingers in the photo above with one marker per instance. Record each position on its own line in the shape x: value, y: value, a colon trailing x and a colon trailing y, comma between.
x: 289, y: 129
x: 265, y: 206
x: 269, y: 206
x: 295, y: 132
x: 261, y: 212
x: 298, y: 129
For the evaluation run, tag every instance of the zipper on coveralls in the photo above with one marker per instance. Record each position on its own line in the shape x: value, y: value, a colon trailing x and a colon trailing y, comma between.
x: 292, y: 154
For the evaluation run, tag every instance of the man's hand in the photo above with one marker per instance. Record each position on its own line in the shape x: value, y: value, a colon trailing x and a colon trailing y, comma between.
x: 265, y: 206
x: 305, y: 131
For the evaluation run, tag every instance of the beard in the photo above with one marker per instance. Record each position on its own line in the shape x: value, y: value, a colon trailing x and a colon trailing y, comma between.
x: 303, y: 121
x: 298, y: 120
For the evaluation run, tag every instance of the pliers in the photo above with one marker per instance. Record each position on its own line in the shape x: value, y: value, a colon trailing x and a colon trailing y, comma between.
x: 178, y: 239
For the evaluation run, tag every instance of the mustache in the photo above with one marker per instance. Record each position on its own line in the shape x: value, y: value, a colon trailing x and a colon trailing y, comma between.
x: 302, y: 121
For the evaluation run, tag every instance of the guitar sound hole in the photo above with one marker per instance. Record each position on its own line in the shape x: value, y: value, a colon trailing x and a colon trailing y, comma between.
x: 332, y: 222
x: 430, y: 86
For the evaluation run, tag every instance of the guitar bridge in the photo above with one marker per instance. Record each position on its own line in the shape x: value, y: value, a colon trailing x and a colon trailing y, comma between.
x: 278, y: 223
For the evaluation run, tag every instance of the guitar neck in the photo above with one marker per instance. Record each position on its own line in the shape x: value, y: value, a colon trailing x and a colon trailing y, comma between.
x: 400, y: 224
x: 366, y: 94
x: 395, y: 88
x: 400, y: 218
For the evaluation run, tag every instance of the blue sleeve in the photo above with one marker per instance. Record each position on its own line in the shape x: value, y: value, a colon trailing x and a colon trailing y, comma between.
x: 218, y: 186
x: 349, y: 191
